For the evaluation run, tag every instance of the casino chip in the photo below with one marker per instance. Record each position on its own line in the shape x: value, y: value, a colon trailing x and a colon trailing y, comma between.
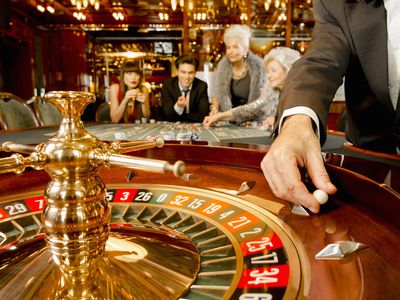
x: 120, y: 136
x: 184, y: 136
x: 195, y: 136
x: 168, y: 136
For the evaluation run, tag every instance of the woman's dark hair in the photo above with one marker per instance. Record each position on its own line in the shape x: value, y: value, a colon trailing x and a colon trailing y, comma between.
x: 186, y: 59
x: 130, y: 66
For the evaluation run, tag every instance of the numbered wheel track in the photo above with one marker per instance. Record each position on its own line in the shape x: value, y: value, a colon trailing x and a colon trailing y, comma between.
x: 244, y: 250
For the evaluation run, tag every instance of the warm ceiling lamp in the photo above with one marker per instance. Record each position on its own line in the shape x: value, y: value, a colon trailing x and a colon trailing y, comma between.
x: 243, y: 17
x: 163, y: 16
x: 79, y: 16
x: 50, y: 8
x: 267, y: 4
x: 200, y: 16
x: 42, y: 6
x: 174, y: 4
x: 118, y: 16
x: 82, y: 4
x: 277, y: 4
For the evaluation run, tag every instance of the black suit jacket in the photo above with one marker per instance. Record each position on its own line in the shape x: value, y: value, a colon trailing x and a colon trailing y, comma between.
x: 199, y: 106
x: 349, y: 39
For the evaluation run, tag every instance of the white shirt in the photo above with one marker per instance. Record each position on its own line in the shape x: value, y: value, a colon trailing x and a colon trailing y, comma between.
x: 393, y: 26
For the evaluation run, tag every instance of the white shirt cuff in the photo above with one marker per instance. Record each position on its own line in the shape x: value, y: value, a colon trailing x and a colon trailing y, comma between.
x: 178, y: 110
x: 301, y: 110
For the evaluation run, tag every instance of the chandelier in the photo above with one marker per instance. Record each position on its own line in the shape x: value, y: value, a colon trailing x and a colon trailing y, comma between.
x: 277, y: 4
x: 82, y: 4
x: 118, y: 15
x: 174, y: 4
x: 42, y: 6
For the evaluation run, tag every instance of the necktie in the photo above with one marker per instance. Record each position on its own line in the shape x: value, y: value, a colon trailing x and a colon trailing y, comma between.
x: 185, y: 93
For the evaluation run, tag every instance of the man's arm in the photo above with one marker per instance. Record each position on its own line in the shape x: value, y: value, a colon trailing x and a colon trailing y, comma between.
x: 312, y: 83
x: 168, y: 101
x: 203, y: 105
x: 314, y: 79
x: 296, y: 147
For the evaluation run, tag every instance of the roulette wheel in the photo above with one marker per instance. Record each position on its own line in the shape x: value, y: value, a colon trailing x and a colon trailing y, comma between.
x: 206, y: 244
x: 196, y: 235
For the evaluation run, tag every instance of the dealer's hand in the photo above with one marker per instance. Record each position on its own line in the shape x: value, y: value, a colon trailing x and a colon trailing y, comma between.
x: 296, y: 147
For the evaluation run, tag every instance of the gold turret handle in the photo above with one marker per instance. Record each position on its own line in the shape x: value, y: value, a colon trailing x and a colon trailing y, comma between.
x: 139, y: 163
x: 20, y: 148
x: 17, y: 163
x: 147, y: 164
x: 137, y: 145
x: 14, y: 163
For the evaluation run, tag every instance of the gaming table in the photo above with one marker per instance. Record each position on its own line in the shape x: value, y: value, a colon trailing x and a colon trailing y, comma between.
x: 202, y: 236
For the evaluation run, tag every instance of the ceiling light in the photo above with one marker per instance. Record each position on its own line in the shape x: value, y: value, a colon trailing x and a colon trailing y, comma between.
x: 79, y: 16
x: 119, y: 16
x: 40, y: 8
x: 174, y: 4
x: 82, y: 4
x: 50, y: 9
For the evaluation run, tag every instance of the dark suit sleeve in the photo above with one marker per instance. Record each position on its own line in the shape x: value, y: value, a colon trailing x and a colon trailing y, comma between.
x: 314, y: 79
x: 168, y: 100
x: 201, y: 106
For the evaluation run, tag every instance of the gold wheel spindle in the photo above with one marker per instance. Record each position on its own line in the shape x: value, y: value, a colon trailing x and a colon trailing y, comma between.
x: 76, y: 218
x: 20, y: 148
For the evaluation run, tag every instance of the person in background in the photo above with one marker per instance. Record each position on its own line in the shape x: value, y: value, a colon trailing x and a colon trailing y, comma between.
x: 357, y: 40
x: 240, y: 74
x: 129, y: 100
x: 277, y: 63
x: 184, y: 97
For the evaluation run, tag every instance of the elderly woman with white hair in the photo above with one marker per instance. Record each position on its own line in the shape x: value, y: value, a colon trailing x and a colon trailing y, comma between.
x: 240, y: 75
x: 277, y: 63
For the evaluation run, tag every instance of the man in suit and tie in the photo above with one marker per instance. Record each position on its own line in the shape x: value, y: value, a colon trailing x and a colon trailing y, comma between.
x: 184, y: 97
x: 355, y: 39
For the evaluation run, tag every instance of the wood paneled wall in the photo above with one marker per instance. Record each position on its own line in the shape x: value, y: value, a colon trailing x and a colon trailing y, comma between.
x: 31, y: 58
